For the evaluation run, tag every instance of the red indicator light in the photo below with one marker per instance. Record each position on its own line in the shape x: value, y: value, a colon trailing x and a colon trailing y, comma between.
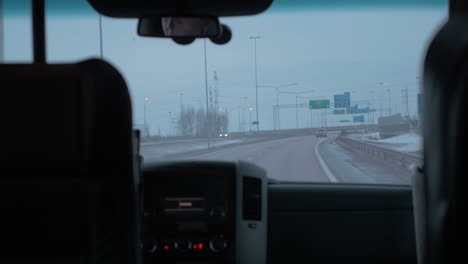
x: 195, y: 246
x: 166, y: 247
x: 200, y: 245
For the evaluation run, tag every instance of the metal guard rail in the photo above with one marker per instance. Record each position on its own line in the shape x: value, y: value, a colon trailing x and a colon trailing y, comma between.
x: 407, y: 161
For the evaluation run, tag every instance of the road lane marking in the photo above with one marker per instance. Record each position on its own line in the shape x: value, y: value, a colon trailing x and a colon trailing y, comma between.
x: 323, y: 164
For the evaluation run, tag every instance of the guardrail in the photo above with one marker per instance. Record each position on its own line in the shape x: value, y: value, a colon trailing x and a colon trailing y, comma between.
x: 406, y: 161
x: 262, y: 133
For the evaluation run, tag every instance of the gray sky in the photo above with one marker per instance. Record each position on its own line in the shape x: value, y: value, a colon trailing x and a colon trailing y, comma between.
x: 326, y: 51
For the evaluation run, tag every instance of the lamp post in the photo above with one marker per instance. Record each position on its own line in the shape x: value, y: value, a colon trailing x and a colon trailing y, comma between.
x: 170, y: 123
x: 181, y: 105
x: 372, y: 105
x: 144, y: 116
x: 297, y: 96
x: 308, y: 98
x: 250, y: 117
x: 277, y: 87
x: 243, y: 106
x: 382, y: 84
x: 256, y: 83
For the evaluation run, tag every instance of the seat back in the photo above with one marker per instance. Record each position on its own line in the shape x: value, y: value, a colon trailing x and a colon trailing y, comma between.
x: 68, y: 166
x: 438, y: 188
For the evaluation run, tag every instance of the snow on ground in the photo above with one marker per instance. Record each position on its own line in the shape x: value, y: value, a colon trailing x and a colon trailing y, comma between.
x: 409, y: 142
x: 369, y: 136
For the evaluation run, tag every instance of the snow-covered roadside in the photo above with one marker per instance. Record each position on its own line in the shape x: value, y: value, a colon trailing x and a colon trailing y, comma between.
x: 409, y: 142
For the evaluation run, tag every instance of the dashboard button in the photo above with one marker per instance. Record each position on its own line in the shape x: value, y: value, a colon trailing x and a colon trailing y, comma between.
x: 218, y: 244
x: 218, y: 212
x: 150, y: 247
x: 183, y: 245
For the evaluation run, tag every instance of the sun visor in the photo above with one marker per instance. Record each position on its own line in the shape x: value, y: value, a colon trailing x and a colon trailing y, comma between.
x: 156, y: 8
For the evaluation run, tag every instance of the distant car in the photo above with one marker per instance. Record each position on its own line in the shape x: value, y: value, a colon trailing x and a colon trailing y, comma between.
x: 223, y: 135
x: 321, y: 133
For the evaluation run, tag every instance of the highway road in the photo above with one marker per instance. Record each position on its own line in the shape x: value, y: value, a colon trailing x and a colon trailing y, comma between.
x: 306, y: 159
x: 289, y: 159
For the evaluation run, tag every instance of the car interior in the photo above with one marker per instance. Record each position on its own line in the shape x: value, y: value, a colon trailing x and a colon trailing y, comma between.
x: 74, y: 193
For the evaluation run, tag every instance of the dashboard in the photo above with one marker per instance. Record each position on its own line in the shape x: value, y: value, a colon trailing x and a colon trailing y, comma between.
x: 197, y: 212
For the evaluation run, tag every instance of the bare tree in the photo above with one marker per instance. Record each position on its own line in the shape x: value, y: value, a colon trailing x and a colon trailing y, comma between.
x: 196, y: 123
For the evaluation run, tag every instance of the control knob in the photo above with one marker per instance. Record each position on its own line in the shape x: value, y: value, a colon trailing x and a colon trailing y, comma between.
x: 218, y: 244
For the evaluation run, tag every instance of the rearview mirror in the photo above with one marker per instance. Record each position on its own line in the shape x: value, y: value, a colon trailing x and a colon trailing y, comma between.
x: 184, y: 29
x: 179, y: 27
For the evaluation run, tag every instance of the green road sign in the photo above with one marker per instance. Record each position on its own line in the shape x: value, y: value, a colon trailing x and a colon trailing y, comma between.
x: 319, y: 104
x: 344, y: 121
x: 339, y: 112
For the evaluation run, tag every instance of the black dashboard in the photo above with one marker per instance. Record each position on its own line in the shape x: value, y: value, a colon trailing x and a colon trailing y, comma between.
x: 222, y: 212
x: 197, y: 212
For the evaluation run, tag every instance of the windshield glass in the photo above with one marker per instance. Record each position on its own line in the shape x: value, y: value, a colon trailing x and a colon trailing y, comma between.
x: 353, y: 70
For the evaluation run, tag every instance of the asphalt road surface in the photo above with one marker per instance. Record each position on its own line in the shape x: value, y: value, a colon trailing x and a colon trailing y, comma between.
x: 306, y: 159
x: 289, y: 159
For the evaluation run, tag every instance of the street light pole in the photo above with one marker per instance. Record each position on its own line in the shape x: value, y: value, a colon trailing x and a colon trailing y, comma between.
x: 277, y: 108
x: 243, y: 105
x: 277, y: 99
x: 308, y: 98
x: 372, y: 106
x: 170, y: 123
x: 389, y: 104
x: 181, y: 105
x: 297, y: 113
x: 297, y: 95
x: 144, y: 116
x: 250, y: 117
x: 206, y: 94
x: 256, y: 83
x: 239, y: 109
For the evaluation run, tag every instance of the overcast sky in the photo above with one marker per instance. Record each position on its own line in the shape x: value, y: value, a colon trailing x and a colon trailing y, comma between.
x: 329, y: 52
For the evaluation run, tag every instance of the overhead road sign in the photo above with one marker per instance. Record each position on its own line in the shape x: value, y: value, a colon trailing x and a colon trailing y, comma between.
x: 342, y: 100
x: 319, y: 104
x: 358, y: 119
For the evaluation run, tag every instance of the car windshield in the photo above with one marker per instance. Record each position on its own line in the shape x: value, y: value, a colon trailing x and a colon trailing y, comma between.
x: 350, y: 70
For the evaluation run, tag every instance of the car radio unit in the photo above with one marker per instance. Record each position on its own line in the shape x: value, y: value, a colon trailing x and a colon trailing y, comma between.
x: 204, y: 212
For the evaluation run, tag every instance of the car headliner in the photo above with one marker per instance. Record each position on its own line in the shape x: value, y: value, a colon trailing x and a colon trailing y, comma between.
x: 82, y: 7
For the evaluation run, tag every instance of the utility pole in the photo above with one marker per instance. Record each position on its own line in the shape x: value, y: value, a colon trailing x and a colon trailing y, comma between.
x: 256, y: 83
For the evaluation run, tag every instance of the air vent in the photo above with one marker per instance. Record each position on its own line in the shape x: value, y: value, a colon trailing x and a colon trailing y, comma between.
x: 252, y: 198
